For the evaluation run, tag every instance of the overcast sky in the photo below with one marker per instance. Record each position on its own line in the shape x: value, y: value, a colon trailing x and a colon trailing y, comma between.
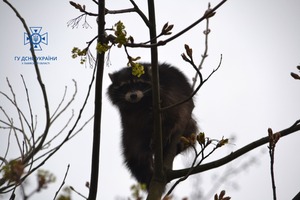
x: 252, y: 91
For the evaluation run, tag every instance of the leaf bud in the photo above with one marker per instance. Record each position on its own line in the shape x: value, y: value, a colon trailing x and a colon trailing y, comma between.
x: 184, y: 57
x: 201, y: 138
x: 295, y: 76
x: 188, y: 50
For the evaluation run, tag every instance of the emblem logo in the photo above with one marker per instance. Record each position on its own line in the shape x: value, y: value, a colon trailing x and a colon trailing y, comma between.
x: 36, y: 37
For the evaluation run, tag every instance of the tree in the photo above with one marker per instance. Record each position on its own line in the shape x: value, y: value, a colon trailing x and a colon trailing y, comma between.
x: 160, y: 179
x: 33, y: 147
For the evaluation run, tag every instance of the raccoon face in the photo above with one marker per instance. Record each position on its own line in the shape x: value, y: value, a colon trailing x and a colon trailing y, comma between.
x: 129, y: 90
x: 134, y: 91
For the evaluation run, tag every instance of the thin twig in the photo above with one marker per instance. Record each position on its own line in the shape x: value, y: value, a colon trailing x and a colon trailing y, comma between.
x: 122, y: 11
x: 73, y: 189
x: 164, y: 42
x: 60, y: 103
x: 3, y: 159
x: 82, y: 9
x: 59, y: 132
x: 142, y: 15
x: 54, y: 117
x: 31, y: 127
x: 193, y: 166
x: 204, y: 55
x: 12, y: 186
x: 197, y: 89
x: 41, y: 84
x: 273, y: 139
x: 63, y: 182
x: 53, y: 151
x: 81, y: 128
x: 232, y: 156
x: 70, y: 137
x: 128, y: 10
x: 272, y: 153
x: 187, y: 175
x: 75, y: 22
x: 21, y: 115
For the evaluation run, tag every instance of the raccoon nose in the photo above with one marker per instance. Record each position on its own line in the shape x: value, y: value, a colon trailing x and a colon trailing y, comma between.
x: 133, y: 96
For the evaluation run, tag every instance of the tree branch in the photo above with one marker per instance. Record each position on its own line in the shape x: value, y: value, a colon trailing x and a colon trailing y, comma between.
x: 82, y: 9
x: 63, y: 182
x: 206, y: 15
x: 208, y: 166
x: 137, y: 9
x: 42, y: 86
x: 98, y: 105
x: 273, y: 139
x: 204, y: 55
x: 199, y: 86
x: 158, y: 182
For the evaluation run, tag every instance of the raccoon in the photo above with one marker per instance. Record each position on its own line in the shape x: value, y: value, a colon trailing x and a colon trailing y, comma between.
x: 133, y: 97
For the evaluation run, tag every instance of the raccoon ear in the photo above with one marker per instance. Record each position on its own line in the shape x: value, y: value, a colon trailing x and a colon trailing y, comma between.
x: 111, y: 76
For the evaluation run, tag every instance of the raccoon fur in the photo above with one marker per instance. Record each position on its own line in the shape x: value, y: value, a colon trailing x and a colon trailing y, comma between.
x: 133, y: 97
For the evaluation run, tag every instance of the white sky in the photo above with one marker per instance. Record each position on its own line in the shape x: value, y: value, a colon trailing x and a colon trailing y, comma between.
x: 252, y: 91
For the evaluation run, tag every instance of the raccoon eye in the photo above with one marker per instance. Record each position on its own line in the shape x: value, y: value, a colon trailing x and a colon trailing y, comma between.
x: 143, y: 85
x: 123, y: 87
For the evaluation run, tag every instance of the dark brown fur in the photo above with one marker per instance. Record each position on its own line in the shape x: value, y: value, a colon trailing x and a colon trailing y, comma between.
x: 133, y: 97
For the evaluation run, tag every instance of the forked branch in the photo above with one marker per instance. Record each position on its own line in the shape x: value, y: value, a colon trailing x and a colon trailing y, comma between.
x: 41, y: 84
x: 217, y: 163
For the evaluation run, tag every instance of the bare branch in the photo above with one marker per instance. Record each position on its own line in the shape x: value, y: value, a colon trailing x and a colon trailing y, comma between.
x: 98, y: 105
x: 207, y: 14
x: 59, y: 132
x: 128, y: 10
x: 22, y: 119
x: 74, y: 23
x: 142, y: 15
x: 81, y: 128
x: 199, y: 86
x: 73, y: 189
x: 187, y: 175
x: 82, y: 9
x: 42, y: 86
x: 31, y: 126
x: 55, y: 116
x: 273, y: 139
x: 204, y: 144
x: 208, y: 166
x: 33, y: 151
x: 158, y: 180
x: 3, y: 159
x: 134, y: 9
x: 63, y: 182
x: 204, y: 55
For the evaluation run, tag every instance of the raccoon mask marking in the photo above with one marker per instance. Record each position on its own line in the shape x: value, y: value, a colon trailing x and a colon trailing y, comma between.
x: 133, y: 89
x: 133, y: 96
x: 127, y: 88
